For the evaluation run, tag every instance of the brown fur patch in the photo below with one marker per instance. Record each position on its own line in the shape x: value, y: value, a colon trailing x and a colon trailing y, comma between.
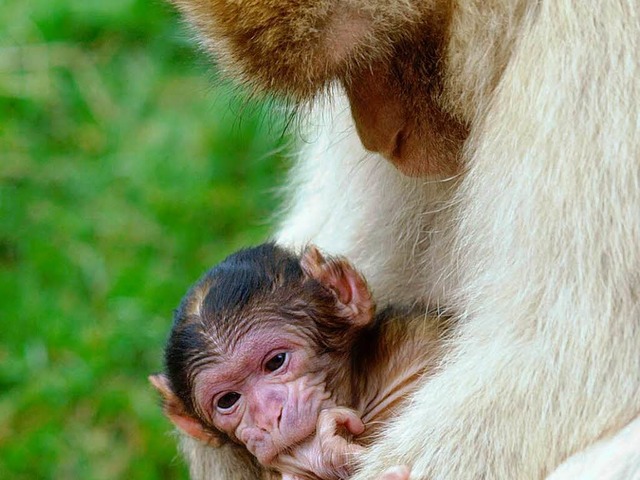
x: 386, y: 55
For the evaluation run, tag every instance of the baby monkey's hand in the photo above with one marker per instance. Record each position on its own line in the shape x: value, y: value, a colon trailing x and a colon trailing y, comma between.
x: 328, y: 454
x: 336, y: 450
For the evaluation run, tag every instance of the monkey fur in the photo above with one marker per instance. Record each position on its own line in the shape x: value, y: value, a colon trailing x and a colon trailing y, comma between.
x: 368, y: 362
x: 533, y: 107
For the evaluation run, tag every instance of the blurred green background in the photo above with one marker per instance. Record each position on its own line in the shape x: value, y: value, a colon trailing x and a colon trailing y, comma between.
x: 127, y: 168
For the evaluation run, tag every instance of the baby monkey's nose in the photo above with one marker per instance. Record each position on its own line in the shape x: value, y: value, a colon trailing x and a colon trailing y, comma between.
x: 266, y: 411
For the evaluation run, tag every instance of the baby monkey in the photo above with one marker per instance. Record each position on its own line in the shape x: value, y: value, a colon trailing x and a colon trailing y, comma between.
x: 285, y: 355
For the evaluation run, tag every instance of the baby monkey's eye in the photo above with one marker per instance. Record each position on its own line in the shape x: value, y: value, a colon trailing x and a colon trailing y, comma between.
x: 228, y: 400
x: 276, y: 362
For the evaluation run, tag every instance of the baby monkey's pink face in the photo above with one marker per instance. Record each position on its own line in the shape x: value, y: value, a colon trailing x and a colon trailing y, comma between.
x: 265, y: 391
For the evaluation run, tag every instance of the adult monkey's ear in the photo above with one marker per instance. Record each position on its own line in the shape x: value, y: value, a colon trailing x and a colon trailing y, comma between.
x: 352, y: 295
x: 175, y: 411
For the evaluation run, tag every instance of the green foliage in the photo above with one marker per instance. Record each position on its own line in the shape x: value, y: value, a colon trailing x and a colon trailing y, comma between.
x: 126, y: 170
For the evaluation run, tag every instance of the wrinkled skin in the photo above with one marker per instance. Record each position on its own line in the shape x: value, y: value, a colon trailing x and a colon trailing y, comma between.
x: 276, y: 409
x: 327, y: 454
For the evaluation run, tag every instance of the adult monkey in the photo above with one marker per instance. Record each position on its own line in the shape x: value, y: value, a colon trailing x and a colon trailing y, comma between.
x: 537, y: 103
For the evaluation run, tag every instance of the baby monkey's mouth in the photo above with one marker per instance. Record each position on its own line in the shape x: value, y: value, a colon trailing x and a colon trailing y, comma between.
x: 269, y: 447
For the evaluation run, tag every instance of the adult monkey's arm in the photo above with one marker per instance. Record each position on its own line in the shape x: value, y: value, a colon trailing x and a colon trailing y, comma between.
x: 616, y: 458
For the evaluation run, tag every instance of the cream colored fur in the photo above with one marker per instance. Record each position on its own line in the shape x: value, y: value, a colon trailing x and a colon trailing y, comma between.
x: 614, y: 458
x: 354, y: 203
x: 545, y: 238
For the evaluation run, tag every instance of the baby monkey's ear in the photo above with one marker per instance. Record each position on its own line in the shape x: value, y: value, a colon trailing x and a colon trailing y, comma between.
x: 352, y: 295
x: 175, y: 411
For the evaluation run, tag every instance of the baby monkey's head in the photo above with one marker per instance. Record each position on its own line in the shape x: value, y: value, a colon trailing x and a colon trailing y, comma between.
x: 259, y: 345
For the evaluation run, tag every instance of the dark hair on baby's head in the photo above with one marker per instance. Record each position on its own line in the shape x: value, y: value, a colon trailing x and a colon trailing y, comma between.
x: 252, y: 286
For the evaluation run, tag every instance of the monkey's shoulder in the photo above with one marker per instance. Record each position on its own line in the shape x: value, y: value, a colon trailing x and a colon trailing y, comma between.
x: 402, y: 347
x: 410, y: 323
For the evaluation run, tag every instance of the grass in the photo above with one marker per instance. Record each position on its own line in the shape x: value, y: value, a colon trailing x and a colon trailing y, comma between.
x: 126, y: 170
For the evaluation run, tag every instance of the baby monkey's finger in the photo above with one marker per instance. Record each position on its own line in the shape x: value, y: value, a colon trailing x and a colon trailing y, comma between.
x: 330, y: 419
